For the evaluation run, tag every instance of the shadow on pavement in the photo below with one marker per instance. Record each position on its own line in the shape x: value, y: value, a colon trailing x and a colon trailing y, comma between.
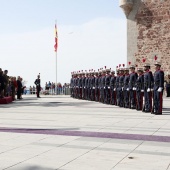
x: 35, y: 168
x: 38, y: 103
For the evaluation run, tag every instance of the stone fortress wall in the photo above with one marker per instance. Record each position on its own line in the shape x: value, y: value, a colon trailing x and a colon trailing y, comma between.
x: 148, y: 31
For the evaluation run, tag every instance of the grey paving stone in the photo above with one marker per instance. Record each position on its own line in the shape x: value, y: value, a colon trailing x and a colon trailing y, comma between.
x: 47, y: 151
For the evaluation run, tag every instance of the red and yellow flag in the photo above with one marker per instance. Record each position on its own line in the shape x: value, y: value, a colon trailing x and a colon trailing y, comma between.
x: 56, y: 39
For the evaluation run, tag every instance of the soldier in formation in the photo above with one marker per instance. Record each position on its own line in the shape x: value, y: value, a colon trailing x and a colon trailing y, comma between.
x: 133, y: 88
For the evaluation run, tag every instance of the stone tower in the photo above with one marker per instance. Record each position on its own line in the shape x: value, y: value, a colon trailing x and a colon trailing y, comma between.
x: 148, y: 31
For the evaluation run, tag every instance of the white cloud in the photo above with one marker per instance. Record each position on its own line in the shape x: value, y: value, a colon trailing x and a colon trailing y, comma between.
x: 92, y: 45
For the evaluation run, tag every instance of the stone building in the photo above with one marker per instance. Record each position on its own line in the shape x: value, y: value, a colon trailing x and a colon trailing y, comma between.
x: 148, y: 31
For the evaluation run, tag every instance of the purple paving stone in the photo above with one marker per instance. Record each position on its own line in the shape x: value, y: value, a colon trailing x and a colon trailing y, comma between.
x: 88, y: 134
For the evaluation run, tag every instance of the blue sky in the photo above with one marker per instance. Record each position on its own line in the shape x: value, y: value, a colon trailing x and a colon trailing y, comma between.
x: 27, y: 28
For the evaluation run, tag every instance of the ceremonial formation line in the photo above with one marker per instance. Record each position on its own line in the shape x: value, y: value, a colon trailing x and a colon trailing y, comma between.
x: 140, y: 90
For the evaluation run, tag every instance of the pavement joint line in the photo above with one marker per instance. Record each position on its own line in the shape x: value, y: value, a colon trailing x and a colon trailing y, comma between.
x: 20, y: 146
x: 127, y: 155
x: 11, y: 138
x: 112, y: 125
x: 83, y: 154
x: 168, y: 167
x: 160, y: 128
x: 137, y: 124
x: 37, y: 154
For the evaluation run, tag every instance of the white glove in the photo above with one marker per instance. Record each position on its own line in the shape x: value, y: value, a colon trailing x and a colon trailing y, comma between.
x: 104, y: 87
x: 142, y: 90
x: 134, y: 88
x: 148, y: 90
x: 114, y: 89
x: 84, y: 87
x: 122, y: 88
x: 109, y: 87
x: 127, y: 89
x: 93, y: 87
x: 160, y: 89
x: 151, y: 89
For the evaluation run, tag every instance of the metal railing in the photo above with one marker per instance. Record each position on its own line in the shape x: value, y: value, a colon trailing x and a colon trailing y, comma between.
x: 58, y: 91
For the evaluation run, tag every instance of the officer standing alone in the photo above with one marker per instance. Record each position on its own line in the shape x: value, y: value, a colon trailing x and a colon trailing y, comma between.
x: 38, y: 85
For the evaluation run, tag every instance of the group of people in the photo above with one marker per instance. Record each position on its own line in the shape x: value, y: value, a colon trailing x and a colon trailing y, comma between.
x: 10, y: 86
x: 127, y: 89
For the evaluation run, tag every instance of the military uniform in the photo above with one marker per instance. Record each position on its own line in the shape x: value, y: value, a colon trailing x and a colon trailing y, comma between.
x: 116, y: 87
x: 100, y: 86
x: 148, y: 85
x: 120, y: 88
x: 92, y: 86
x: 38, y: 86
x: 112, y: 88
x: 83, y: 86
x: 125, y: 88
x: 139, y: 89
x: 71, y: 85
x: 132, y: 89
x: 167, y: 81
x: 103, y: 95
x: 158, y: 89
x: 96, y: 84
x: 107, y: 87
x: 80, y: 86
x: 86, y: 86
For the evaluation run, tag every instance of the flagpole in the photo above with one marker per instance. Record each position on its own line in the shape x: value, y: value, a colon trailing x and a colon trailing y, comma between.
x: 56, y: 70
x: 56, y: 63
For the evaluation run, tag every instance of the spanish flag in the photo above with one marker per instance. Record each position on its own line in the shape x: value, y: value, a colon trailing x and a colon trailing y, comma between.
x: 56, y: 39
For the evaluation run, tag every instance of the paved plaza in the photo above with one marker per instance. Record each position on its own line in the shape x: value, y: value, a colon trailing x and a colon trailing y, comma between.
x: 61, y: 133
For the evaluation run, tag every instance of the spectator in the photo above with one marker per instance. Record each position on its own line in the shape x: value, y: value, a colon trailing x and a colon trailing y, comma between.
x: 19, y: 88
x: 6, y: 82
x: 1, y: 84
x: 33, y: 88
x: 46, y: 86
x: 13, y: 87
x: 49, y: 85
x: 30, y: 90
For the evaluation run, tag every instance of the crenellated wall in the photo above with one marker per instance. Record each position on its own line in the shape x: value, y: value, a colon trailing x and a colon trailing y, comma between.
x: 148, y: 31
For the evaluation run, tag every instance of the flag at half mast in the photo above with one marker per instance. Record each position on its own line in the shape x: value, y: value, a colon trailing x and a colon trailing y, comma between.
x: 56, y: 39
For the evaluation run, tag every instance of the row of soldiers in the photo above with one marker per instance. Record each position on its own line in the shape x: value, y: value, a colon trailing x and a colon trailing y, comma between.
x: 127, y: 89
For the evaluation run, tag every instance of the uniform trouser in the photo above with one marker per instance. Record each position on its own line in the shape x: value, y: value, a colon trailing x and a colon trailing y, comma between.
x: 112, y: 99
x: 96, y: 94
x: 19, y: 93
x: 157, y: 101
x: 139, y: 97
x: 132, y: 98
x: 38, y: 91
x: 77, y: 92
x: 83, y: 93
x: 148, y: 101
x: 102, y: 95
x: 86, y: 93
x: 120, y: 98
x: 168, y: 91
x: 80, y: 93
x: 92, y: 94
x: 89, y: 93
x: 107, y: 95
x: 71, y: 91
x: 117, y: 96
x: 126, y: 98
x: 5, y: 90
